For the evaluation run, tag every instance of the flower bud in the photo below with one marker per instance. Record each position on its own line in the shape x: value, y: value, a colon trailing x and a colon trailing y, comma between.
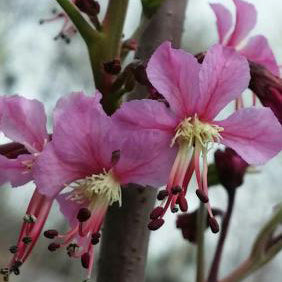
x: 267, y: 87
x: 88, y: 7
x: 230, y: 168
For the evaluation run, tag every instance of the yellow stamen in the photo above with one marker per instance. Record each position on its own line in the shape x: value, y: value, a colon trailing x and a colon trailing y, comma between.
x: 98, y: 185
x: 191, y: 130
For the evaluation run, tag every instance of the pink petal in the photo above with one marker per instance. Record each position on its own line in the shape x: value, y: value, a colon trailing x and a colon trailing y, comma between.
x: 14, y: 171
x: 246, y: 18
x: 145, y: 159
x: 174, y: 73
x: 24, y: 121
x: 223, y: 20
x: 80, y: 133
x: 51, y: 174
x: 224, y: 75
x: 69, y: 208
x: 255, y: 134
x: 145, y: 114
x: 259, y: 51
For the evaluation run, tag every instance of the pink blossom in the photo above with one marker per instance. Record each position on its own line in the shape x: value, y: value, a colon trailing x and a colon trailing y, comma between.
x: 93, y: 159
x: 196, y: 93
x: 257, y: 48
x: 24, y: 121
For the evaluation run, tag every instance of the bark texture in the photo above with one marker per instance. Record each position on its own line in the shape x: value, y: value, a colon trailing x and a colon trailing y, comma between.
x: 126, y: 236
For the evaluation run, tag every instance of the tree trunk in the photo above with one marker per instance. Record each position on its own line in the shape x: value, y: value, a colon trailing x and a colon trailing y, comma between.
x: 126, y: 236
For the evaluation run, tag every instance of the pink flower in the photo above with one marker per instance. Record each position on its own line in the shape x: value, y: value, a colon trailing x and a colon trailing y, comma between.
x: 24, y: 121
x: 257, y: 48
x: 93, y: 159
x: 196, y: 93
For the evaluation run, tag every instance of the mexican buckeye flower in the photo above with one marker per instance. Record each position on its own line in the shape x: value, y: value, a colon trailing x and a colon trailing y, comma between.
x: 24, y: 121
x: 256, y: 48
x: 90, y: 157
x: 196, y: 93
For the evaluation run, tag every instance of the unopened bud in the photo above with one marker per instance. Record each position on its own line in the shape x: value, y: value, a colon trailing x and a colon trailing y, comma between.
x: 112, y: 67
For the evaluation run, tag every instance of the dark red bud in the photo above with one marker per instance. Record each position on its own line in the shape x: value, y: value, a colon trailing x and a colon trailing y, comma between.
x: 89, y: 7
x: 155, y: 224
x: 156, y: 212
x: 202, y: 196
x: 112, y: 67
x: 213, y: 224
x: 183, y: 204
x: 162, y: 195
x: 83, y: 214
x: 53, y: 247
x: 230, y: 167
x: 85, y: 260
x: 51, y: 234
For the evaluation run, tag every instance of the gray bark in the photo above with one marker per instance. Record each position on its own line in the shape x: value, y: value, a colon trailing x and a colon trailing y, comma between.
x: 126, y: 236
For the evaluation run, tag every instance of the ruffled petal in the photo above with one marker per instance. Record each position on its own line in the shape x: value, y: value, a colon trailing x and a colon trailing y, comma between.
x: 246, y: 18
x: 224, y: 75
x: 145, y: 158
x: 80, y: 132
x: 69, y: 208
x: 24, y: 121
x: 223, y: 20
x: 175, y: 73
x: 255, y: 134
x: 51, y: 174
x: 15, y: 171
x: 258, y: 50
x: 145, y: 114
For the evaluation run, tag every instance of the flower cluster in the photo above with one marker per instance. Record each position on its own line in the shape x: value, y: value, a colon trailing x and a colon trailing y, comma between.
x: 90, y: 156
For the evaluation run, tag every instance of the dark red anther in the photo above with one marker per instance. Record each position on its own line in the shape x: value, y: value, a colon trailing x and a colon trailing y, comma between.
x: 213, y: 224
x: 13, y: 249
x: 202, y: 196
x: 96, y: 235
x: 155, y: 224
x: 27, y: 240
x: 182, y: 202
x: 83, y: 214
x: 95, y: 241
x: 156, y: 212
x: 162, y: 195
x: 112, y: 67
x: 85, y: 260
x: 174, y: 210
x: 175, y: 190
x: 53, y: 247
x: 51, y: 234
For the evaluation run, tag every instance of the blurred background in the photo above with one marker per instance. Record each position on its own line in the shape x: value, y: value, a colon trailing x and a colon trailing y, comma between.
x: 34, y: 65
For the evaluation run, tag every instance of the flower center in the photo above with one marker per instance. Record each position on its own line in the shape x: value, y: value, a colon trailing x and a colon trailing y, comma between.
x: 104, y: 185
x: 191, y: 130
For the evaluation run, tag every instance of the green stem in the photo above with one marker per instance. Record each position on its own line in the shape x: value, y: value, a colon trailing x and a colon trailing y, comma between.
x: 201, y: 224
x: 87, y: 32
x: 113, y: 25
x: 241, y: 272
